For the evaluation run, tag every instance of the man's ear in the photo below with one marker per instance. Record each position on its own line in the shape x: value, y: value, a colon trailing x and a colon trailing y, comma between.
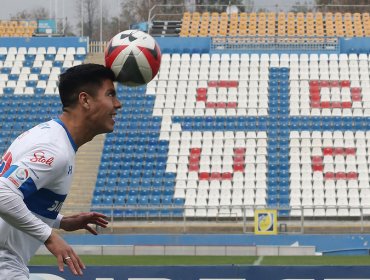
x: 84, y: 99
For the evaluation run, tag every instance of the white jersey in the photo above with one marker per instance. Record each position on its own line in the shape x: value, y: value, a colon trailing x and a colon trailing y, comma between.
x: 37, y: 168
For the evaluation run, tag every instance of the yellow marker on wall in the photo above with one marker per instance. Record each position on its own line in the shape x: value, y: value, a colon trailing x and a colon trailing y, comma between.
x: 265, y: 221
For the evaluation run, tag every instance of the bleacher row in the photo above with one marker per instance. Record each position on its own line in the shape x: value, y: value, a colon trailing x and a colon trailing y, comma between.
x: 13, y: 28
x: 35, y: 70
x: 28, y: 86
x: 275, y: 24
x: 222, y: 135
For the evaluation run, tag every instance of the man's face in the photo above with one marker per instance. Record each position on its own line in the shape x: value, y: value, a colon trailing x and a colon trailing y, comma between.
x: 104, y: 108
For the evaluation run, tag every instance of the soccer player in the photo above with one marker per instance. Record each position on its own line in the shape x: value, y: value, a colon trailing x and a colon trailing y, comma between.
x: 36, y: 173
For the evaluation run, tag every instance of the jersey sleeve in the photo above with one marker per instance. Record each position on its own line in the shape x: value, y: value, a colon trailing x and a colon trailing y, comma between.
x: 36, y: 169
x: 15, y: 212
x: 35, y: 175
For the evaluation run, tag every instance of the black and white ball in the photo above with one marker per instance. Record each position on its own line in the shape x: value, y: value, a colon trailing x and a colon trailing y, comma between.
x: 134, y: 56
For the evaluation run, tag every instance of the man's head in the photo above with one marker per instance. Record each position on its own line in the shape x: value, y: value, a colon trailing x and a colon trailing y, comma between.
x: 82, y: 78
x: 89, y: 99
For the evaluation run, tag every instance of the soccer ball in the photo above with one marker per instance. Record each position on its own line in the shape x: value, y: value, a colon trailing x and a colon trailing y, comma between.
x: 134, y: 56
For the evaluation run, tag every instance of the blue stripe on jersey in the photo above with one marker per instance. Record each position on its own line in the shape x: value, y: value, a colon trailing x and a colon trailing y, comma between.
x: 45, y: 203
x: 68, y: 134
x: 10, y: 171
x: 28, y: 187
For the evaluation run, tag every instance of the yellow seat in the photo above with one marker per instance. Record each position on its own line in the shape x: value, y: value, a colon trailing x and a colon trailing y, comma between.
x: 348, y: 16
x: 271, y: 16
x: 261, y: 16
x: 215, y: 15
x: 20, y: 30
x: 291, y: 30
x: 10, y: 30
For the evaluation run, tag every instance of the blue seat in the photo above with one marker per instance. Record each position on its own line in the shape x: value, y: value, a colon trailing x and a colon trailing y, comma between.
x: 118, y: 213
x: 35, y: 70
x: 107, y: 200
x: 121, y: 190
x: 119, y: 200
x: 96, y: 200
x: 166, y: 200
x: 44, y: 77
x: 131, y: 200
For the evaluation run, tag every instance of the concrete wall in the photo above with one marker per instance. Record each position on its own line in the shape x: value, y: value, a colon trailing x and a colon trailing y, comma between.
x: 168, y: 250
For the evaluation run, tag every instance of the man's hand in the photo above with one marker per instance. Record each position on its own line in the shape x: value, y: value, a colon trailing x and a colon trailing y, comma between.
x: 82, y: 221
x: 64, y: 254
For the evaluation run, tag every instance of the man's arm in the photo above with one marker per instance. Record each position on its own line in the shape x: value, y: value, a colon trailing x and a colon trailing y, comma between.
x: 82, y: 221
x: 14, y: 211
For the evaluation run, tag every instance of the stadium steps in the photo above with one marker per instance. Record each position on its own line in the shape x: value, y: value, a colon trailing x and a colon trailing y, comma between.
x: 84, y: 178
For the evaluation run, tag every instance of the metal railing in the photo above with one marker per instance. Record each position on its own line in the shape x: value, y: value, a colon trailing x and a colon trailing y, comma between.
x: 291, y: 220
x: 275, y: 43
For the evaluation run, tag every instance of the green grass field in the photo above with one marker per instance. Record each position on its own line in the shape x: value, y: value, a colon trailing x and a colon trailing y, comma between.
x: 210, y: 260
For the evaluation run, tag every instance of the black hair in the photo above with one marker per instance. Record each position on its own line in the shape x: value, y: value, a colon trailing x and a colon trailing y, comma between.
x: 85, y: 77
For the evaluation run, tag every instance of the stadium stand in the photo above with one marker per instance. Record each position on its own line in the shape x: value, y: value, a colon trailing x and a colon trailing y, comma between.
x: 272, y: 24
x: 220, y: 134
x: 14, y: 28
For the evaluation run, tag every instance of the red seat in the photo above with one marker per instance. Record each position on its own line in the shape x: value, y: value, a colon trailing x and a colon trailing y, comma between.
x: 350, y: 151
x: 227, y: 176
x: 315, y: 96
x: 316, y: 159
x: 317, y: 167
x: 352, y: 176
x: 356, y: 96
x: 356, y: 90
x: 341, y: 176
x: 220, y: 105
x: 334, y: 83
x: 328, y: 151
x: 210, y: 105
x: 203, y: 176
x: 233, y: 83
x: 223, y: 83
x: 194, y: 167
x: 239, y: 159
x: 238, y: 167
x: 345, y: 83
x: 239, y: 151
x: 201, y: 97
x: 194, y: 159
x: 215, y: 176
x: 329, y: 176
x: 231, y: 105
x: 315, y: 104
x: 347, y: 104
x: 325, y: 104
x: 195, y: 151
x: 338, y: 151
x: 202, y: 90
x: 314, y: 90
x: 324, y: 83
x: 213, y: 83
x: 336, y: 104
x: 313, y: 83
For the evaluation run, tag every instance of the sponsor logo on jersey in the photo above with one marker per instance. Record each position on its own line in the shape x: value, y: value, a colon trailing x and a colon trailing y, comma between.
x: 70, y: 170
x: 57, y: 206
x: 22, y: 174
x: 19, y: 176
x: 40, y: 157
x: 5, y: 163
